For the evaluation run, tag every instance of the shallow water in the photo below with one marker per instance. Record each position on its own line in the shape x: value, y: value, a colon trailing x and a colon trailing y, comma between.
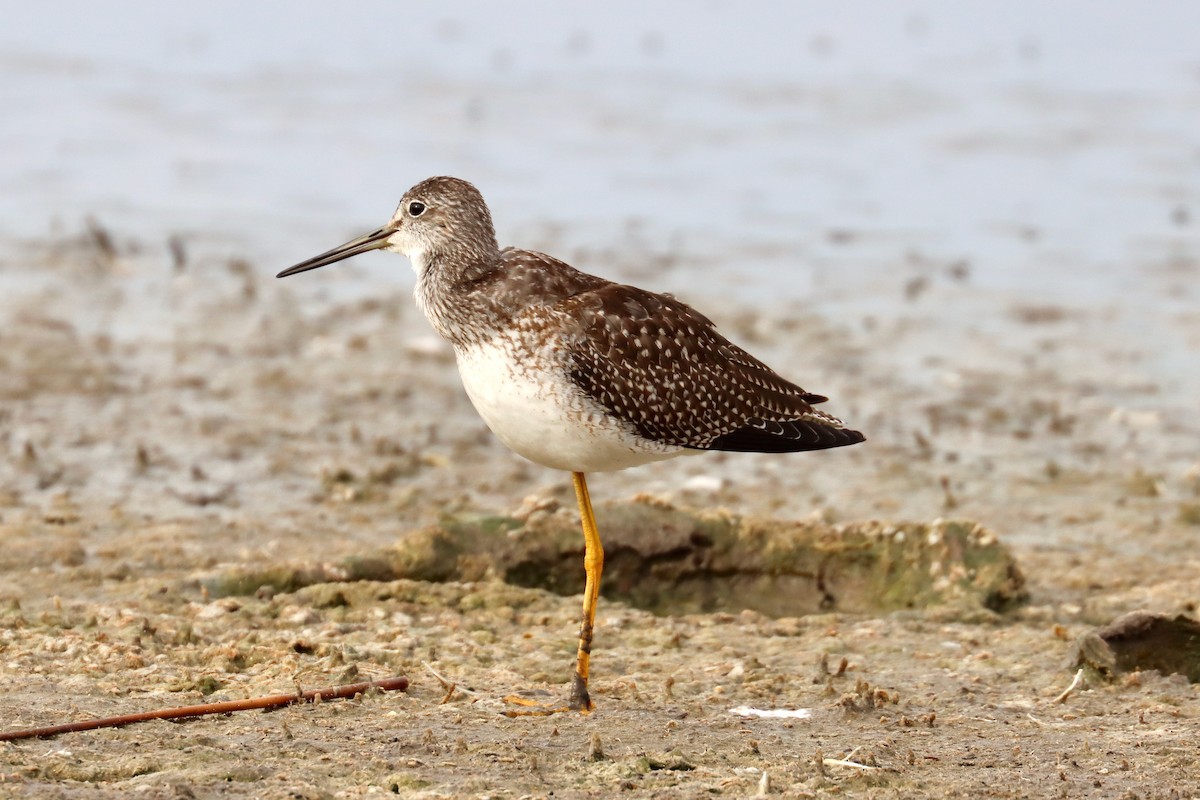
x: 1021, y: 140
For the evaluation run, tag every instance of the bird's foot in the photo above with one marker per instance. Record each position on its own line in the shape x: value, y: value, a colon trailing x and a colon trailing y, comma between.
x: 532, y: 704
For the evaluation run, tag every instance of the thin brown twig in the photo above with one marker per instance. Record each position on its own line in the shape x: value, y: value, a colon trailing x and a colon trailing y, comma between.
x: 447, y: 684
x: 270, y: 702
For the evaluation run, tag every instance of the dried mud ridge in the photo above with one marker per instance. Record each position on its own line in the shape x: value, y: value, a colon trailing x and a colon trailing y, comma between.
x: 670, y: 560
x: 1142, y: 641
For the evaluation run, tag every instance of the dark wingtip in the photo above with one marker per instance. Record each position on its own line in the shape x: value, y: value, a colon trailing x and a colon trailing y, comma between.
x: 785, y: 437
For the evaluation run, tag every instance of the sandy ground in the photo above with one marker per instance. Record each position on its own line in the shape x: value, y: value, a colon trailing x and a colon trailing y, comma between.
x: 242, y: 422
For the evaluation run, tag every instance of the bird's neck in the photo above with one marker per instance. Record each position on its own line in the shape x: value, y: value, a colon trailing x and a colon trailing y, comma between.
x: 445, y: 294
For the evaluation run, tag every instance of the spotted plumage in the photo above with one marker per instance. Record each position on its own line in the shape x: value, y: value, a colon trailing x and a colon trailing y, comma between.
x: 578, y: 373
x: 655, y: 367
x: 661, y: 366
x: 554, y: 359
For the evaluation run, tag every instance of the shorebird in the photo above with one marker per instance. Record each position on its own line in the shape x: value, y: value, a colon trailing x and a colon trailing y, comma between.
x: 579, y: 373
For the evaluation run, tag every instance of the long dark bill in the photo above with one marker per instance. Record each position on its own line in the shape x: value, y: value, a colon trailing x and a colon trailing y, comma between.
x: 372, y: 241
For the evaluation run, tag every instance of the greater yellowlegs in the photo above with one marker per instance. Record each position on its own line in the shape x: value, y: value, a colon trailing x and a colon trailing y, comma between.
x: 581, y: 374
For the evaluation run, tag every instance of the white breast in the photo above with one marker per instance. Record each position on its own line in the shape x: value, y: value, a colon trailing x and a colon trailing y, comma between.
x: 530, y: 403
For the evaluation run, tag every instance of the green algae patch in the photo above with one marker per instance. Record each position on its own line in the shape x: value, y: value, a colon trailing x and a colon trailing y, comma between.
x: 671, y: 560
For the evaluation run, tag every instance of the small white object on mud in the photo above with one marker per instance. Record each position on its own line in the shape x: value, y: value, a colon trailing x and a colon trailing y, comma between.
x: 772, y: 713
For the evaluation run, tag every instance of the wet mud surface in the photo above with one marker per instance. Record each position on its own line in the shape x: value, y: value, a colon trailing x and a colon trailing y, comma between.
x: 183, y: 502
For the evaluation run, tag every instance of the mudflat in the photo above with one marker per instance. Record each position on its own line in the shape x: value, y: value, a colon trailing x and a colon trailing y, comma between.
x: 250, y: 433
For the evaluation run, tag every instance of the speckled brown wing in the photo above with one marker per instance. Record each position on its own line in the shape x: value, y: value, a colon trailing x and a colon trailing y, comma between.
x: 662, y: 366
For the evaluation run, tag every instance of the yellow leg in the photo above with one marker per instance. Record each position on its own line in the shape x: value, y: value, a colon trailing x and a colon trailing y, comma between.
x: 593, y: 567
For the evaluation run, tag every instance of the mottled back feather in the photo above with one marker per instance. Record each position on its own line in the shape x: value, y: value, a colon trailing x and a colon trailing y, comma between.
x: 661, y: 366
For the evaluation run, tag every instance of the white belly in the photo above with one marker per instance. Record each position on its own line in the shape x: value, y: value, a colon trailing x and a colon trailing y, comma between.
x: 541, y: 414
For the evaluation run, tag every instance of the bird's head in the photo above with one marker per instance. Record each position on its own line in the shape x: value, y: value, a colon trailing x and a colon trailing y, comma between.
x: 441, y: 216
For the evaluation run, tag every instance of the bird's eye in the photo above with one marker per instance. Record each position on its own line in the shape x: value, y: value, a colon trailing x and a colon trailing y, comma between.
x: 416, y: 208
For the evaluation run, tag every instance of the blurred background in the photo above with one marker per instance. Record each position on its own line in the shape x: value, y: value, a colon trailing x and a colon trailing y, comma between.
x: 944, y: 215
x: 750, y: 142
